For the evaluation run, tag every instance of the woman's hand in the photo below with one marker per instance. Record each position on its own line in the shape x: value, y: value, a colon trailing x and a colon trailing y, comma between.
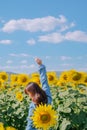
x: 38, y: 61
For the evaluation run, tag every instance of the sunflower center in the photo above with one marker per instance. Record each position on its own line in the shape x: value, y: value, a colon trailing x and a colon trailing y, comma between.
x: 45, y: 118
x: 76, y: 76
x: 15, y: 79
x: 3, y: 77
x: 24, y: 79
x: 85, y: 80
x: 51, y: 77
x: 65, y: 77
x: 0, y: 83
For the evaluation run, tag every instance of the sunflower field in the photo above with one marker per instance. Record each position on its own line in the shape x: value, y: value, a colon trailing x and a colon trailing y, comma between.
x: 69, y: 94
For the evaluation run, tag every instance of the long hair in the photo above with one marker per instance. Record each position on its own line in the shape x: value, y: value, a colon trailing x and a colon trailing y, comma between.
x: 39, y: 94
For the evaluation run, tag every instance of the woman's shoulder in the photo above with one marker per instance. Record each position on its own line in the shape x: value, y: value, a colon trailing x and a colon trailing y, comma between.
x: 32, y: 105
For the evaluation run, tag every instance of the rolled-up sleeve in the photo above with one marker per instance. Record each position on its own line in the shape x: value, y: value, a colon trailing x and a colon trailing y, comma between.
x: 29, y: 121
x: 44, y: 82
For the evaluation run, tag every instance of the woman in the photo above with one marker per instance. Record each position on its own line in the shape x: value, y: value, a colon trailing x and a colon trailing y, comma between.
x: 37, y: 94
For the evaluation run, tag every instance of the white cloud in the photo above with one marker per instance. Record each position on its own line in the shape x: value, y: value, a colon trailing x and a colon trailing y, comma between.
x: 13, y: 54
x: 82, y: 69
x: 78, y: 36
x: 52, y: 38
x: 32, y: 66
x: 24, y: 61
x: 65, y: 58
x: 8, y: 68
x: 31, y: 42
x: 19, y: 69
x: 66, y: 65
x: 20, y: 55
x: 66, y: 27
x: 5, y: 42
x: 27, y: 66
x: 9, y: 61
x: 47, y: 57
x: 38, y: 24
x: 24, y: 67
x: 46, y: 24
x: 24, y: 55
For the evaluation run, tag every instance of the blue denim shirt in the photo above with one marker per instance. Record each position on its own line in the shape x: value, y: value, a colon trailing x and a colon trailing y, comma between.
x: 46, y: 88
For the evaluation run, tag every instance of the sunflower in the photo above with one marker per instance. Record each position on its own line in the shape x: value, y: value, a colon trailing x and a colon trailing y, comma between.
x: 23, y: 79
x: 19, y: 96
x: 60, y: 83
x: 82, y: 90
x: 52, y: 78
x: 14, y: 79
x: 75, y: 76
x: 36, y: 80
x: 1, y: 83
x: 4, y: 76
x: 35, y: 75
x: 44, y: 117
x: 1, y: 126
x: 10, y: 128
x: 64, y: 77
x: 84, y: 80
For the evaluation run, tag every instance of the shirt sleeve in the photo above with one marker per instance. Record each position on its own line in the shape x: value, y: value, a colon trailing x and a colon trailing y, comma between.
x: 29, y: 121
x: 44, y: 82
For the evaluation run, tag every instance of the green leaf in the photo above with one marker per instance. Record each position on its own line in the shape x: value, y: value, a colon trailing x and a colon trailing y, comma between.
x: 64, y: 124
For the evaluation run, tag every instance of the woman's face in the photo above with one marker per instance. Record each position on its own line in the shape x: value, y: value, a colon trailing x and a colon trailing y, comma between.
x: 32, y: 97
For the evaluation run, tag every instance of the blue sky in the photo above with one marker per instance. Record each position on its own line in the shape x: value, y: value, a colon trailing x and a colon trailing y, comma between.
x: 53, y: 30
